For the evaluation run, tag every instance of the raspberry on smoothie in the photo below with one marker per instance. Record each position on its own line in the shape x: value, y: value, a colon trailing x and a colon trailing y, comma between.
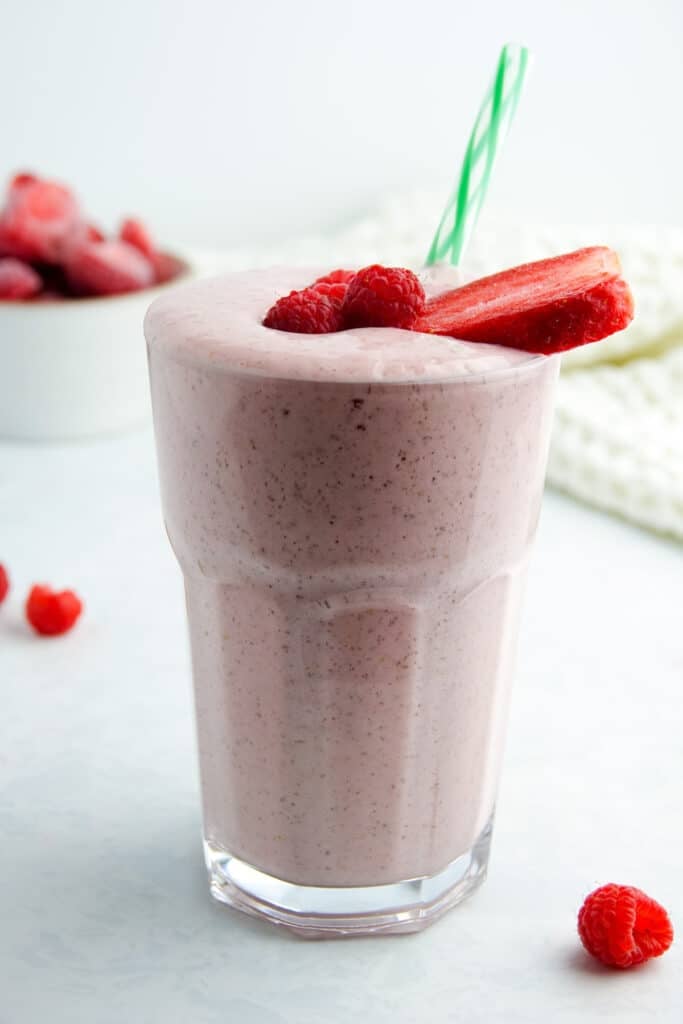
x: 548, y: 306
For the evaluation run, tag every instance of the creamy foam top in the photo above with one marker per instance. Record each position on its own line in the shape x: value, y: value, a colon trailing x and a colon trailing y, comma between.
x: 219, y: 322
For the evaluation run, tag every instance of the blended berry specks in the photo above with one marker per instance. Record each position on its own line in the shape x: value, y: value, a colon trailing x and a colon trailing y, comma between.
x: 360, y: 544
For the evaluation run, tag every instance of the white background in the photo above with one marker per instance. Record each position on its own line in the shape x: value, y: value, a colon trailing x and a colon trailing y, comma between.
x: 224, y: 121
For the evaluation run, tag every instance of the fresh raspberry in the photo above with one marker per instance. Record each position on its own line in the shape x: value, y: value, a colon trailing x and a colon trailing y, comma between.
x: 137, y: 235
x: 334, y: 286
x: 622, y: 927
x: 39, y: 220
x: 383, y: 297
x: 108, y: 268
x: 336, y: 293
x: 18, y: 280
x: 50, y: 612
x: 336, y: 277
x: 4, y: 583
x: 304, y: 312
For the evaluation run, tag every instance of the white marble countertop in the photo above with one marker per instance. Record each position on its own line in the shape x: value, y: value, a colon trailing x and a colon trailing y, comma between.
x: 105, y: 916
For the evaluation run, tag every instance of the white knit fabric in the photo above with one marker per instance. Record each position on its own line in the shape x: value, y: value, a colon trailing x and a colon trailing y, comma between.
x: 618, y: 439
x: 618, y: 435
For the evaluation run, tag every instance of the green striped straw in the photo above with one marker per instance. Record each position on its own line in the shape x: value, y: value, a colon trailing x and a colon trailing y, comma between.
x: 493, y: 121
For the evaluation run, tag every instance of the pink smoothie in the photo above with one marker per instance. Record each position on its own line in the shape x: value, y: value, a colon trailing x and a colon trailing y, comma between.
x: 352, y: 514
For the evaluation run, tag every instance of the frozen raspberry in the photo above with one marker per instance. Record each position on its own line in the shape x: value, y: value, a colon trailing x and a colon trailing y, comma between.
x: 108, y: 268
x: 333, y: 286
x: 137, y: 235
x: 50, y: 612
x: 166, y: 267
x: 39, y: 220
x: 21, y: 179
x: 622, y: 927
x: 4, y: 583
x: 17, y: 279
x: 305, y: 312
x: 383, y: 297
x: 93, y: 233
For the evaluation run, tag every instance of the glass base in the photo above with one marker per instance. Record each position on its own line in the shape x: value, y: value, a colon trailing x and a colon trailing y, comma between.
x: 320, y: 912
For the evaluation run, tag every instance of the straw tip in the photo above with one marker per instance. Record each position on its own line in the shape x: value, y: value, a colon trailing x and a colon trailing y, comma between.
x: 512, y: 51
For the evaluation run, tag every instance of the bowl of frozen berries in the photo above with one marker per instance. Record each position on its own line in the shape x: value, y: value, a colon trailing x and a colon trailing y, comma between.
x: 72, y: 301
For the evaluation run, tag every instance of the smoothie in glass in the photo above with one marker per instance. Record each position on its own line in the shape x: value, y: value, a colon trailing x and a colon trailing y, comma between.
x: 353, y: 514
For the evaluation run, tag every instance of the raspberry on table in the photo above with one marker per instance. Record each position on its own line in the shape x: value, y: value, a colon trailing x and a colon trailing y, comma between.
x: 51, y: 612
x: 17, y: 279
x: 4, y: 583
x: 622, y: 927
x: 108, y: 268
x: 304, y: 312
x: 383, y: 297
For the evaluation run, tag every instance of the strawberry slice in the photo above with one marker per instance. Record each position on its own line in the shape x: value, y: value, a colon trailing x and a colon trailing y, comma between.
x: 548, y: 306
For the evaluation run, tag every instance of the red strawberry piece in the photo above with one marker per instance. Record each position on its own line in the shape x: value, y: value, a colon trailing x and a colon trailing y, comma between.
x: 52, y: 612
x: 39, y: 220
x: 137, y: 235
x: 622, y: 927
x: 547, y: 306
x: 108, y: 268
x: 4, y: 583
x: 18, y: 280
x: 304, y: 312
x: 383, y: 297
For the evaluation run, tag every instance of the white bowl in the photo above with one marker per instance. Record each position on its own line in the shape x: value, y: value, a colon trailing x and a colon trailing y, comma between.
x: 75, y: 367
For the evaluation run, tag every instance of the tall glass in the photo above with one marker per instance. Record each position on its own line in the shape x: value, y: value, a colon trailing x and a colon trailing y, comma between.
x: 354, y: 555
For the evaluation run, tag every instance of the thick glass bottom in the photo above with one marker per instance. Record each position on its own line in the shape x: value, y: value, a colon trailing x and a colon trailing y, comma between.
x: 320, y: 912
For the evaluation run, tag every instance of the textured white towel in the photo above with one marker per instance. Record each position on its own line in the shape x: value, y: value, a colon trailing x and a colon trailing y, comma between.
x: 618, y: 436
